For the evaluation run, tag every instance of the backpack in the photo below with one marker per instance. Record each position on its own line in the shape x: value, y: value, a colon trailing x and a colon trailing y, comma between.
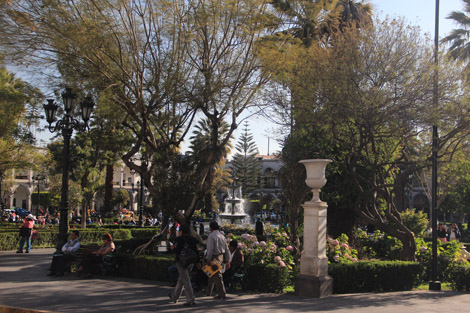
x: 188, y: 256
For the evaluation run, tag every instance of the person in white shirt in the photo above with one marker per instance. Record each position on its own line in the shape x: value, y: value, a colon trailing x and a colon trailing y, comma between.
x: 69, y: 253
x: 217, y: 252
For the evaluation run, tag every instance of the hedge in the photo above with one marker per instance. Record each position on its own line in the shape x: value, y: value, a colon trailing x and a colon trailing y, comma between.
x: 370, y: 276
x: 144, y: 266
x: 459, y: 277
x: 266, y: 278
x: 47, y: 238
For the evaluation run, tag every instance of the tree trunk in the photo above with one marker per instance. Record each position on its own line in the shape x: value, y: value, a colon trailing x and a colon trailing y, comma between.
x: 108, y: 189
x: 399, y: 231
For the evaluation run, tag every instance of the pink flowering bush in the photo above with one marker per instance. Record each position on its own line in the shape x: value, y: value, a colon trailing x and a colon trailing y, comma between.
x: 281, y: 239
x: 339, y: 251
x: 268, y: 252
x: 269, y: 264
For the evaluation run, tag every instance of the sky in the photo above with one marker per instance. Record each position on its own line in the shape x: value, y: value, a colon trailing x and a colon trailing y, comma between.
x: 416, y: 12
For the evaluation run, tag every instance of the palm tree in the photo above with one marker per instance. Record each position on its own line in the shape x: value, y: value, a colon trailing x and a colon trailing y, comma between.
x: 458, y: 38
x: 315, y: 20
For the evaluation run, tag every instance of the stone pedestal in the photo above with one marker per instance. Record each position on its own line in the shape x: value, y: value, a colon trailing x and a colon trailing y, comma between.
x: 313, y: 286
x: 313, y: 280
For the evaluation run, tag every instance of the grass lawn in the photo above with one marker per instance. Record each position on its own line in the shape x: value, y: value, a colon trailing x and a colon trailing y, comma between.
x: 444, y: 286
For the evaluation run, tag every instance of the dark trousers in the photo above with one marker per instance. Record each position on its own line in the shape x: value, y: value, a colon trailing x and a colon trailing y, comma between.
x: 90, y: 263
x: 59, y: 261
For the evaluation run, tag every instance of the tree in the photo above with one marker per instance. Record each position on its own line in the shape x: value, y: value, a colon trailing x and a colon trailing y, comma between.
x: 162, y: 61
x: 315, y: 21
x: 17, y: 99
x: 217, y: 176
x: 367, y: 99
x: 246, y: 166
x: 458, y: 38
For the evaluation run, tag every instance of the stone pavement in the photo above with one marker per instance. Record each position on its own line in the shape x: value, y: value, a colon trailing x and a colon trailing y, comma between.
x: 23, y: 283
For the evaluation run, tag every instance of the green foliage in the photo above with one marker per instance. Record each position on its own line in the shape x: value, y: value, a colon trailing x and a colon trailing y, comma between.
x: 459, y: 277
x: 120, y: 198
x: 145, y: 267
x: 458, y: 38
x: 246, y: 166
x: 455, y: 183
x: 267, y: 278
x: 377, y: 245
x: 373, y: 276
x: 146, y: 232
x: 417, y: 222
x: 19, y: 103
x: 447, y: 254
x: 43, y: 198
x: 173, y: 175
x: 47, y: 238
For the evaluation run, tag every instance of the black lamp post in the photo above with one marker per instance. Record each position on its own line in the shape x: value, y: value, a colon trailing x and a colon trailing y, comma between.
x: 67, y: 124
x: 38, y: 178
x: 434, y: 284
x: 2, y: 175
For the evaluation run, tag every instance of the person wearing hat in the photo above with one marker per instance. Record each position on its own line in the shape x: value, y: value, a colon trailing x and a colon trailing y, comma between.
x: 217, y: 252
x: 25, y: 234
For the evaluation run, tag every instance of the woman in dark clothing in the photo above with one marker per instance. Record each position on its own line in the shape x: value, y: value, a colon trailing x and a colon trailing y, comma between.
x: 442, y: 233
x: 184, y: 279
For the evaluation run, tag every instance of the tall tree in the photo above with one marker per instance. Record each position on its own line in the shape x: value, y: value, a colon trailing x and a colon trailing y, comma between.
x: 369, y: 96
x: 246, y: 166
x: 458, y: 38
x: 201, y: 142
x: 163, y: 62
x: 17, y: 98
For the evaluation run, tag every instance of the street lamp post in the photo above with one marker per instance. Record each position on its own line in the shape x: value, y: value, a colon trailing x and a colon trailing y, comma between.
x: 67, y: 124
x: 2, y: 175
x: 434, y: 284
x: 38, y: 178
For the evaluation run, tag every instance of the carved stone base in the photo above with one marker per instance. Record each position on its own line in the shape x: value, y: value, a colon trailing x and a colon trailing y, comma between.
x: 313, y: 287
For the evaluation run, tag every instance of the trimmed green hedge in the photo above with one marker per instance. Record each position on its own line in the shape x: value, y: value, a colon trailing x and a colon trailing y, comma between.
x: 10, y: 240
x: 144, y: 266
x: 370, y: 276
x: 459, y: 277
x: 266, y: 278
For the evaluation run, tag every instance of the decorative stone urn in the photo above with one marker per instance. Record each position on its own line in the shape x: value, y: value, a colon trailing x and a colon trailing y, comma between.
x: 313, y: 280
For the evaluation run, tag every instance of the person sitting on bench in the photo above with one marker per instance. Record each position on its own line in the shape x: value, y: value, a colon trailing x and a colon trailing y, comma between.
x: 69, y: 253
x: 91, y: 260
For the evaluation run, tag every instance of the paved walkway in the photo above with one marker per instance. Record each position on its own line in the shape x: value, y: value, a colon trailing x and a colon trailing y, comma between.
x: 23, y: 283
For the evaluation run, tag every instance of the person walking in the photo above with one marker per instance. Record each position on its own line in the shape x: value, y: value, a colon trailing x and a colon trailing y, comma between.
x: 25, y: 234
x: 218, y: 253
x: 184, y: 239
x: 454, y: 233
x: 259, y: 229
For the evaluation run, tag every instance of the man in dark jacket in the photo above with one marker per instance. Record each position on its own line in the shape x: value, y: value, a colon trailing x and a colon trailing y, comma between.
x: 236, y: 262
x: 184, y: 279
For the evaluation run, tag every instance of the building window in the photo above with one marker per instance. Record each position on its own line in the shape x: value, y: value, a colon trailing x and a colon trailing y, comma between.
x: 269, y: 178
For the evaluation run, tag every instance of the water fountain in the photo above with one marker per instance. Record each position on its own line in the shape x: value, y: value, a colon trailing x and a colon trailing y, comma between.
x: 234, y: 207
